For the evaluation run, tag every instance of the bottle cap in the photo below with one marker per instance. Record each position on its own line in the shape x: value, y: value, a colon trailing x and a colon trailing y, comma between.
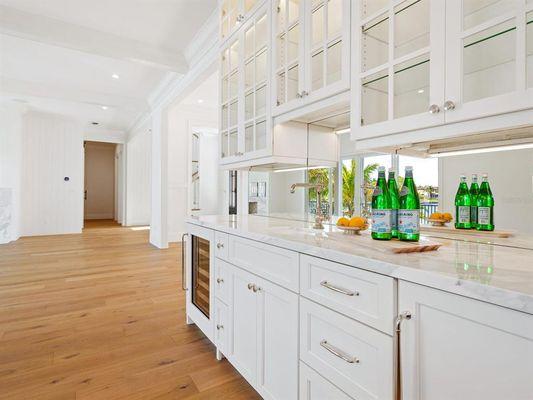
x: 474, y: 176
x: 485, y: 175
x: 408, y: 168
x: 381, y: 169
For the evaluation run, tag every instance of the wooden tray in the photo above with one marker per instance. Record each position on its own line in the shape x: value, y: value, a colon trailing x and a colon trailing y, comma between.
x: 450, y: 230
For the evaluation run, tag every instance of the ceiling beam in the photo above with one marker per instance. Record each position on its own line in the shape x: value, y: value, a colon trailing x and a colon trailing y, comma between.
x: 75, y: 37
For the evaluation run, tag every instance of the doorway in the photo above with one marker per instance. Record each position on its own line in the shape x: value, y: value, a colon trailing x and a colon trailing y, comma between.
x: 99, y: 190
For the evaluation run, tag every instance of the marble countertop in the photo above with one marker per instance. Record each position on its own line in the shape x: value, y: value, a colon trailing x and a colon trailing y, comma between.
x: 495, y: 274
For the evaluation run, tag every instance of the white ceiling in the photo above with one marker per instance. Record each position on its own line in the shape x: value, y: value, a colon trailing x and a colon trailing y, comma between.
x: 60, y: 55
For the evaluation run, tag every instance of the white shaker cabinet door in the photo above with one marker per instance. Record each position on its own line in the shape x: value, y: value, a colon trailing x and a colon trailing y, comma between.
x: 458, y: 348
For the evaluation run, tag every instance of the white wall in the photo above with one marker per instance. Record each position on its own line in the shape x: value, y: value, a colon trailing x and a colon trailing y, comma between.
x: 510, y: 178
x: 99, y: 180
x: 138, y: 189
x: 209, y: 172
x: 52, y: 150
x: 282, y: 201
x: 10, y: 171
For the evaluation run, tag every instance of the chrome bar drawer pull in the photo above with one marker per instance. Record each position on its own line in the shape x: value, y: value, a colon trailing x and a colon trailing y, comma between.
x: 336, y: 352
x: 338, y: 289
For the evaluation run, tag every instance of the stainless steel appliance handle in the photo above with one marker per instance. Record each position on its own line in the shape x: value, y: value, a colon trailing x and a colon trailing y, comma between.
x: 398, y: 322
x: 338, y: 289
x: 183, y: 266
x: 339, y: 353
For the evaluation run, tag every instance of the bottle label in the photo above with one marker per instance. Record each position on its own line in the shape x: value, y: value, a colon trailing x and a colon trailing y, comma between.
x: 394, y: 220
x: 404, y: 191
x: 377, y: 191
x: 381, y: 221
x: 463, y: 214
x: 483, y: 215
x: 473, y: 214
x: 409, y: 221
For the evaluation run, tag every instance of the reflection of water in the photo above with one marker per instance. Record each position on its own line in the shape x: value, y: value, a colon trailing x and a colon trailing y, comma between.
x: 474, y: 262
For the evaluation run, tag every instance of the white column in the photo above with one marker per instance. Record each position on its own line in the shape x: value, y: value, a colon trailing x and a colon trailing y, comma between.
x: 159, y: 181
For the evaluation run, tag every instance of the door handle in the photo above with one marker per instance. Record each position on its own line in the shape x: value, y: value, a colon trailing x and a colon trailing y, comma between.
x: 406, y: 315
x: 339, y: 353
x: 338, y: 289
x: 183, y: 266
x: 85, y: 194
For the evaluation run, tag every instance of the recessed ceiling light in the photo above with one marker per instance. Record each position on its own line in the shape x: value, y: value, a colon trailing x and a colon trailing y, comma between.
x: 115, y: 76
x: 104, y: 107
x: 200, y: 101
x: 420, y: 90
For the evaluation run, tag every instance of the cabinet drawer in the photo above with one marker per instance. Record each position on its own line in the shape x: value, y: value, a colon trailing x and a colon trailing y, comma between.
x: 221, y: 245
x: 273, y: 263
x: 354, y: 357
x: 222, y: 280
x: 313, y: 386
x: 362, y: 295
x: 222, y: 326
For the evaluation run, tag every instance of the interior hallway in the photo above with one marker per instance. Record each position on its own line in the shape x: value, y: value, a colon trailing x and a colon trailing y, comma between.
x: 101, y: 315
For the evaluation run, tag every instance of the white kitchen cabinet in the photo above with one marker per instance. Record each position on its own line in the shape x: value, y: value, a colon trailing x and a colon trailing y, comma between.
x: 264, y: 335
x: 315, y: 387
x: 310, y: 42
x: 245, y: 123
x: 419, y: 64
x: 458, y: 348
x: 233, y: 13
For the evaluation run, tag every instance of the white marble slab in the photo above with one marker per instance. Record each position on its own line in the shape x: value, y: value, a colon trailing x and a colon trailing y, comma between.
x: 494, y: 274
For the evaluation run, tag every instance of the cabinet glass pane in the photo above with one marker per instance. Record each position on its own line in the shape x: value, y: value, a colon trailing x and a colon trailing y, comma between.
x: 293, y: 79
x: 280, y: 84
x: 294, y: 39
x: 225, y: 151
x: 224, y: 62
x: 334, y: 18
x: 281, y: 17
x: 411, y: 27
x: 317, y: 70
x: 249, y: 43
x: 260, y: 67
x: 233, y: 141
x: 370, y: 7
x: 249, y: 74
x: 375, y: 43
x: 260, y: 135
x: 476, y: 12
x: 224, y: 117
x: 225, y: 27
x: 294, y: 10
x: 281, y: 59
x: 411, y: 87
x: 249, y: 106
x: 260, y: 101
x: 317, y: 26
x: 375, y: 98
x: 261, y: 33
x: 224, y: 89
x: 249, y: 138
x: 233, y: 114
x: 233, y: 84
x: 234, y: 56
x: 529, y: 50
x: 489, y: 62
x: 334, y: 63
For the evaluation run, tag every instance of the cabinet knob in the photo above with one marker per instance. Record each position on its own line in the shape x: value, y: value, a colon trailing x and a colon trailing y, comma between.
x: 256, y: 289
x: 239, y: 153
x: 250, y: 286
x: 449, y: 105
x: 220, y: 280
x: 434, y: 109
x: 304, y: 93
x: 220, y: 245
x: 219, y: 327
x: 298, y: 96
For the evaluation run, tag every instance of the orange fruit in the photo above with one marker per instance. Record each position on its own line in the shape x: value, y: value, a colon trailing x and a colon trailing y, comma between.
x: 447, y: 216
x: 436, y: 215
x: 358, y: 222
x: 343, y: 221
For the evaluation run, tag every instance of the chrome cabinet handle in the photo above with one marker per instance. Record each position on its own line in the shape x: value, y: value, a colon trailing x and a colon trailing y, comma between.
x: 304, y: 93
x: 406, y: 315
x: 298, y: 95
x: 434, y: 109
x: 339, y: 353
x: 220, y: 245
x: 240, y: 18
x: 449, y: 105
x: 183, y: 266
x: 239, y: 153
x: 219, y: 327
x: 338, y: 289
x: 250, y: 286
x: 256, y: 289
x: 220, y: 280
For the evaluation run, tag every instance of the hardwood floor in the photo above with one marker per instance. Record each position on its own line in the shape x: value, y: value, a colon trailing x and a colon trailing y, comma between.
x: 101, y: 315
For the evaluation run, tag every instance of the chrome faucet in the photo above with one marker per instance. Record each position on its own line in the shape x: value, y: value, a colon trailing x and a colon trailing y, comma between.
x: 319, y: 188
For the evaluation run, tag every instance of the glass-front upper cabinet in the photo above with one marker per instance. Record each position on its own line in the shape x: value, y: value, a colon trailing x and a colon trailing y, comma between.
x: 310, y: 51
x: 397, y: 66
x: 489, y: 57
x: 245, y: 88
x: 233, y: 13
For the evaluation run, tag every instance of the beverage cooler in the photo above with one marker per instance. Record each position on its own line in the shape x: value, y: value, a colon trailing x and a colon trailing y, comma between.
x: 198, y: 258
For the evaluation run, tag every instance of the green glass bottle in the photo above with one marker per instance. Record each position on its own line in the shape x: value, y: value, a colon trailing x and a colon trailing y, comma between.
x: 485, y: 206
x: 395, y: 202
x: 381, y: 209
x: 462, y: 206
x: 474, y: 191
x: 409, y: 212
